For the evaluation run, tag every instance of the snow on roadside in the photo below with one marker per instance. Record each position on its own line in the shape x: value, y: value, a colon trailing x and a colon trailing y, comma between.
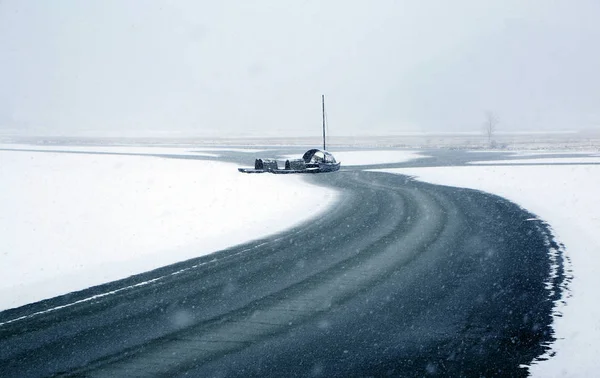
x: 228, y: 149
x: 550, y: 153
x: 525, y: 153
x: 571, y: 160
x: 70, y: 221
x: 567, y: 198
x: 357, y: 158
x: 118, y: 149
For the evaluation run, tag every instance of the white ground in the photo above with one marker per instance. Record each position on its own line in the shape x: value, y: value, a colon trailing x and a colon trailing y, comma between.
x: 141, y: 150
x: 572, y: 160
x: 550, y: 153
x: 567, y: 197
x: 525, y: 153
x: 71, y: 221
x: 354, y: 158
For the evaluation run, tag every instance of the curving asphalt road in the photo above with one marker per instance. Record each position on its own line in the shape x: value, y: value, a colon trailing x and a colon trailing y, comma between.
x: 401, y: 278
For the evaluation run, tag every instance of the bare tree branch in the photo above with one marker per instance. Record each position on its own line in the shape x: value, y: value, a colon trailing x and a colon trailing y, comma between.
x: 489, y: 126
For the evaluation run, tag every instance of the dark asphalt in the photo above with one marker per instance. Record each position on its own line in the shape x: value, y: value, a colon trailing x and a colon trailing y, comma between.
x: 401, y: 278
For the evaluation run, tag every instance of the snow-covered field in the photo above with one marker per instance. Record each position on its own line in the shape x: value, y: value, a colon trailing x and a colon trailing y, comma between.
x: 549, y: 161
x: 353, y: 158
x: 133, y: 149
x: 71, y: 221
x: 372, y: 157
x: 567, y: 197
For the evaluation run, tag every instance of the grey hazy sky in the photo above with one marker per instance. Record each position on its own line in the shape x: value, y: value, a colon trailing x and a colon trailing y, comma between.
x: 259, y: 67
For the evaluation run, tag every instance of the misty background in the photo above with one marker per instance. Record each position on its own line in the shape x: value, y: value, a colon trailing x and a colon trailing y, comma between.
x: 237, y: 68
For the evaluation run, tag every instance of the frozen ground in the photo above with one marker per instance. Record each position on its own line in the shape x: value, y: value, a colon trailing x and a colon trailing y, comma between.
x: 549, y: 160
x: 357, y: 158
x: 70, y: 221
x: 132, y: 149
x: 565, y: 196
x: 353, y: 158
x: 551, y: 153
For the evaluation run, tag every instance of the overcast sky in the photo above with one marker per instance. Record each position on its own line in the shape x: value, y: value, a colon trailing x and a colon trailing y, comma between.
x: 233, y: 68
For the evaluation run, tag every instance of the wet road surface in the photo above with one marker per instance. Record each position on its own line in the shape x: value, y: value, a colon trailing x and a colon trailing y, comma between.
x: 400, y: 278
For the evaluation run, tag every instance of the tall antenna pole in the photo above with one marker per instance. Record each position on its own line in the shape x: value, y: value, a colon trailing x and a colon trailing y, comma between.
x: 323, y: 103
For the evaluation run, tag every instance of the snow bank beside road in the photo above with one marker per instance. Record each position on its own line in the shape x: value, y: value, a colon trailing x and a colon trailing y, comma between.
x: 576, y: 160
x: 551, y: 153
x: 156, y: 150
x: 70, y: 221
x: 140, y: 150
x: 567, y: 198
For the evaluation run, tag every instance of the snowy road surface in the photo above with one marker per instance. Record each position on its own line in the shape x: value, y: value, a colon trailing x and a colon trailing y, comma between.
x: 401, y: 278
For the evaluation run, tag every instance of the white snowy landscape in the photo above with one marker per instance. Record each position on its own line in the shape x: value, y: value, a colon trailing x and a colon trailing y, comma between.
x: 71, y: 221
x: 122, y: 127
